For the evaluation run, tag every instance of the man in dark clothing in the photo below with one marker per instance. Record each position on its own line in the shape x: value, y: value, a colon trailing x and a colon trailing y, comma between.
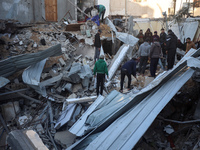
x: 155, y: 54
x: 88, y: 12
x: 97, y: 44
x: 128, y: 69
x: 155, y: 36
x: 171, y: 45
x: 100, y: 69
x: 163, y: 37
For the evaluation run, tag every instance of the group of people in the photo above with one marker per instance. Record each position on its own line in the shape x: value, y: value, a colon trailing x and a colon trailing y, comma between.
x: 156, y: 47
x: 151, y: 47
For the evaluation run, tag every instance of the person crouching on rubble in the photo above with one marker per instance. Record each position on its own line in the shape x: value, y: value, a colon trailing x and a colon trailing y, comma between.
x: 100, y: 68
x: 128, y: 69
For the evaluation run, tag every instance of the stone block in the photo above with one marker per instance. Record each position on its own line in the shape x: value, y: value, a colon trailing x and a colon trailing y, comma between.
x: 65, y: 138
x: 62, y: 62
x: 9, y: 110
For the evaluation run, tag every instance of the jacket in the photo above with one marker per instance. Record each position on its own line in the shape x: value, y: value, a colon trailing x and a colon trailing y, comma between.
x: 189, y: 46
x: 140, y: 36
x: 171, y: 41
x: 155, y: 51
x: 97, y: 41
x: 130, y: 66
x: 163, y: 37
x: 100, y: 67
x: 144, y: 49
x: 155, y: 37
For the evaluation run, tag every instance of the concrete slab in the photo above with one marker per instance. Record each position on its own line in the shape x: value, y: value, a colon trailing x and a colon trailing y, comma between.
x: 65, y: 138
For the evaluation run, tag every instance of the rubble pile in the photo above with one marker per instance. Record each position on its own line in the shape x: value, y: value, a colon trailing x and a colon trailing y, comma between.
x: 65, y: 89
x: 50, y: 99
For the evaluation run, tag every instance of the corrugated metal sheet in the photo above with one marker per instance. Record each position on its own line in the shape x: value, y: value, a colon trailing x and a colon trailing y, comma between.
x: 165, y: 78
x: 125, y: 132
x: 16, y: 63
x: 79, y: 127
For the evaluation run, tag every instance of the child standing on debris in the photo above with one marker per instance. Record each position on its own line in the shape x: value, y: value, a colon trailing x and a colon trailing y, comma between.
x: 100, y: 69
x: 97, y: 44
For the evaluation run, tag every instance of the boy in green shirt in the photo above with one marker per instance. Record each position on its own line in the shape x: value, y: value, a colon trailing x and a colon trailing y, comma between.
x: 100, y: 68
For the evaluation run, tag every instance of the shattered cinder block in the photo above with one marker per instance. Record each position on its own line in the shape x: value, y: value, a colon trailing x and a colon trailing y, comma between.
x: 62, y: 62
x: 73, y: 74
x: 9, y: 110
x: 65, y: 138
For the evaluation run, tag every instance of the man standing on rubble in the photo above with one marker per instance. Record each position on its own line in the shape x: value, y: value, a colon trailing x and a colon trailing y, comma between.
x: 163, y: 37
x: 128, y: 69
x: 171, y: 45
x: 143, y: 55
x: 101, y: 9
x: 155, y: 54
x: 97, y: 44
x: 100, y: 69
x: 189, y: 45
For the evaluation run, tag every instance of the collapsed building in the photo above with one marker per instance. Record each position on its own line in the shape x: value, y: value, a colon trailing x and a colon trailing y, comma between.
x: 47, y: 89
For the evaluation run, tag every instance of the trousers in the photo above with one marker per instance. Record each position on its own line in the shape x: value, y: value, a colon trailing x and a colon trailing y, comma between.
x: 100, y: 82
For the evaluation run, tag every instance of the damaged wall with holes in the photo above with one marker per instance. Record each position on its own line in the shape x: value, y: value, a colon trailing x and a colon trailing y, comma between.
x: 28, y: 11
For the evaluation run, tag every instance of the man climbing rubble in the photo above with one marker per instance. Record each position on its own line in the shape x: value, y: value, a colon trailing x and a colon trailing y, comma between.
x: 100, y: 69
x: 101, y: 10
x: 128, y: 69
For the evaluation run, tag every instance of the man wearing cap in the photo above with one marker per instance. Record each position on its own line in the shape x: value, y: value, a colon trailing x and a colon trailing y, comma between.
x: 97, y: 44
x: 128, y: 69
x: 100, y: 68
x: 171, y: 45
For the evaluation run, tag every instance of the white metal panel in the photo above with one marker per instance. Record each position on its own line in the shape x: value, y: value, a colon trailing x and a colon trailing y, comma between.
x: 79, y: 127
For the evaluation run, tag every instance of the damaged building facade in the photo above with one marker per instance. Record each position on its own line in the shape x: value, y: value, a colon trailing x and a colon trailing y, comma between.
x: 47, y: 88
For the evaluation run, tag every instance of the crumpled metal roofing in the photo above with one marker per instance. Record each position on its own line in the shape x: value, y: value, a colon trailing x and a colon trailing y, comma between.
x: 163, y: 82
x: 16, y: 63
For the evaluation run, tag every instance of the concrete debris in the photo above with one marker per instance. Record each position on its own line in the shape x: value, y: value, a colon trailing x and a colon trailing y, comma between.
x: 50, y: 89
x: 28, y: 140
x: 9, y: 110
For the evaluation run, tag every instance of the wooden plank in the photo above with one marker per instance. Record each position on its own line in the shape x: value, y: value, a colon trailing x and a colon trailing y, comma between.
x: 74, y: 27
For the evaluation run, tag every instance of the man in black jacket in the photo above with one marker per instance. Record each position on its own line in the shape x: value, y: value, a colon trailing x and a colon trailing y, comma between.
x: 97, y: 44
x: 171, y: 45
x: 163, y: 37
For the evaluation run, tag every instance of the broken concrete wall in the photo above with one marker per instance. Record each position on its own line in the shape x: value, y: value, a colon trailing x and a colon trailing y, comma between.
x: 21, y: 10
x: 27, y: 11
